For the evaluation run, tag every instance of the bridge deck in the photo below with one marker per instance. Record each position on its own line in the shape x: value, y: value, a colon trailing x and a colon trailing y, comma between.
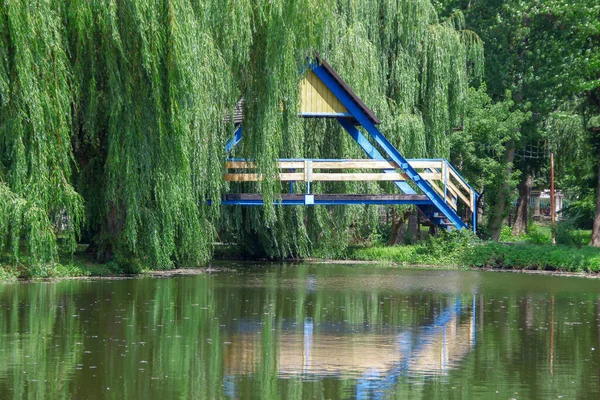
x: 444, y: 180
x: 326, y: 199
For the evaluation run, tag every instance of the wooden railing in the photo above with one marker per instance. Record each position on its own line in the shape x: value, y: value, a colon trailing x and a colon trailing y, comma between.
x: 438, y: 172
x: 449, y: 185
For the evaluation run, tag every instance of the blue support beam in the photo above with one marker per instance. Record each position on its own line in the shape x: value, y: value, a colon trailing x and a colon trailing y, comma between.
x: 372, y: 152
x: 237, y: 136
x: 387, y: 147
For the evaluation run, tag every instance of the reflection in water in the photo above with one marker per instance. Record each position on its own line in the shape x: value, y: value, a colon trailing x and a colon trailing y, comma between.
x: 301, y: 331
x: 339, y: 349
x: 376, y: 360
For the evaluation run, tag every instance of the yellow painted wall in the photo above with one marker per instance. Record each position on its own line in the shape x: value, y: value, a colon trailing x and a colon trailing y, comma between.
x: 317, y: 98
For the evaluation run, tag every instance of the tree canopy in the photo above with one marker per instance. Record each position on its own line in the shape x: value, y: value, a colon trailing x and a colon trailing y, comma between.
x: 546, y: 52
x: 113, y: 115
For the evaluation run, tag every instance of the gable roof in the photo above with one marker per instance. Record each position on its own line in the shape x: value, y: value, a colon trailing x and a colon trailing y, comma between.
x: 347, y: 89
x: 238, y: 112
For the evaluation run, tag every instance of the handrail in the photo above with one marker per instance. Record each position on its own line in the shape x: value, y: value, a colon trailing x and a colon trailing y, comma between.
x: 460, y: 178
x: 434, y: 171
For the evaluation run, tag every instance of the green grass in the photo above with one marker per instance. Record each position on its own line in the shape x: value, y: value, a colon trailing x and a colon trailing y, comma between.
x: 77, y: 265
x: 460, y: 249
x: 486, y: 255
x: 542, y: 234
x: 539, y: 257
x: 536, y: 234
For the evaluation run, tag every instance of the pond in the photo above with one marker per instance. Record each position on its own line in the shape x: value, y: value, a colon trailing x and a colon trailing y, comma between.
x: 300, y: 331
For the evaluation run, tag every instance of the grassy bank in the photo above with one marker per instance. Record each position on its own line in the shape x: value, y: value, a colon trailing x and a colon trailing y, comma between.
x: 68, y: 266
x: 486, y: 255
x: 532, y: 252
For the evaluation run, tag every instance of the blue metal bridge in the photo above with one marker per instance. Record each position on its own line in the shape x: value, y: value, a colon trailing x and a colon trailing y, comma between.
x: 433, y: 185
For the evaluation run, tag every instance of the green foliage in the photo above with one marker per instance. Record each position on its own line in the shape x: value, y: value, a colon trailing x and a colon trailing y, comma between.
x: 444, y: 249
x: 543, y: 51
x: 480, y: 148
x: 506, y: 234
x: 537, y: 234
x: 487, y: 255
x: 545, y: 257
x: 115, y: 112
x: 580, y: 213
x: 150, y: 126
x: 7, y: 274
x: 448, y: 244
x: 546, y: 52
x: 37, y: 198
x: 568, y: 234
x: 66, y: 266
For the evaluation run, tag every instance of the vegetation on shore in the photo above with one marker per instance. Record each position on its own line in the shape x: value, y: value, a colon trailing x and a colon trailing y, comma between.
x: 67, y: 266
x: 476, y: 254
x: 533, y: 251
x: 113, y: 117
x: 113, y: 123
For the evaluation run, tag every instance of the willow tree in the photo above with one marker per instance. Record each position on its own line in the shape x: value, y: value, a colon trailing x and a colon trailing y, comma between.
x: 37, y: 199
x: 116, y: 111
x: 409, y: 67
x: 151, y: 89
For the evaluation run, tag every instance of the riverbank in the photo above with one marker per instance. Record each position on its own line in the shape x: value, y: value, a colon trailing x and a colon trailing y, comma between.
x: 80, y: 267
x: 464, y: 253
x: 76, y: 266
x: 488, y: 255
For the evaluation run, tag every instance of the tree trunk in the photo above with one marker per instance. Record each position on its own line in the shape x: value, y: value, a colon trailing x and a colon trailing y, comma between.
x: 480, y: 207
x: 499, y: 212
x: 432, y: 230
x: 413, y: 226
x: 401, y: 236
x: 113, y: 226
x: 395, y: 227
x: 596, y: 228
x: 522, y: 214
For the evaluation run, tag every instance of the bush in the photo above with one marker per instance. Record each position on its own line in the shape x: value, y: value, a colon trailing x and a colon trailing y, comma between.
x: 460, y: 250
x: 581, y: 212
x: 568, y: 234
x: 538, y: 235
x: 506, y: 234
x: 7, y: 274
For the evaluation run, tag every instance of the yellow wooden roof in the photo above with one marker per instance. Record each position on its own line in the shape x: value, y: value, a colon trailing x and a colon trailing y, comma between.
x: 317, y: 99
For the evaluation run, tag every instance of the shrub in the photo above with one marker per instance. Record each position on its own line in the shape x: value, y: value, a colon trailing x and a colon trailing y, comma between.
x: 538, y: 235
x: 568, y: 234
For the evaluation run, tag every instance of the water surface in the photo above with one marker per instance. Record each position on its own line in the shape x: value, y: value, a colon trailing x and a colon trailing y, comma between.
x: 301, y: 331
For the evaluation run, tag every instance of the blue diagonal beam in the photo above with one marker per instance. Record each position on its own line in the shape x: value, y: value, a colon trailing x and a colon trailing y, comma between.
x: 372, y: 152
x: 387, y: 147
x: 237, y: 136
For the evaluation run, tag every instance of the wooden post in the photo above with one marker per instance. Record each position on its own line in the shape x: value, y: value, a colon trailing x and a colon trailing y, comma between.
x: 552, y: 203
x: 307, y: 174
x: 445, y: 177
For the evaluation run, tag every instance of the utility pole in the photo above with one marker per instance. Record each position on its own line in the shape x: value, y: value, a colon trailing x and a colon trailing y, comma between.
x: 552, y: 206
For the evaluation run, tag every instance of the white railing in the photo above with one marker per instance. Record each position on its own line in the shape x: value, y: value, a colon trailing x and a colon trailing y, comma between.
x: 438, y: 172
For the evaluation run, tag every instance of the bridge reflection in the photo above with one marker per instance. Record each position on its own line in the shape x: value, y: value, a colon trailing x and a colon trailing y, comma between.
x: 376, y: 359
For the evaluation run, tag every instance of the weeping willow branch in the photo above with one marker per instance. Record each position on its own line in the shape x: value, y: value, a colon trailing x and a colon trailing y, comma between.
x: 113, y: 112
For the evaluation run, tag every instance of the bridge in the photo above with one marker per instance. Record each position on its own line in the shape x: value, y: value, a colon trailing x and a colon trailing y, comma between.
x: 377, y: 362
x: 433, y: 185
